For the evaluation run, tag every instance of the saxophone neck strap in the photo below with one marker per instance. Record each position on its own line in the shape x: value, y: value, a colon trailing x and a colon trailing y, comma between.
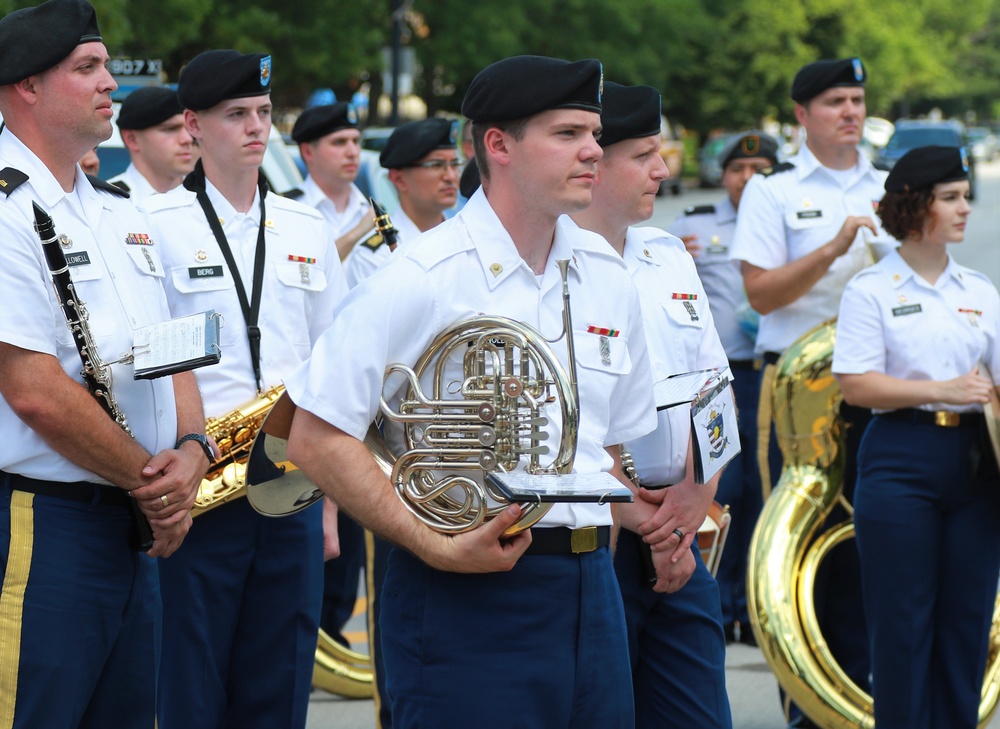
x: 249, y: 306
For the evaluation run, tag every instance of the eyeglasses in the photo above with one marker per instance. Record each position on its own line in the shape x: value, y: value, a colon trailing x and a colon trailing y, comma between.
x: 439, y: 165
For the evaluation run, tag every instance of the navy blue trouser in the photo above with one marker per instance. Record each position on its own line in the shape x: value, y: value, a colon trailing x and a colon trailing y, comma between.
x: 540, y: 647
x: 929, y: 537
x: 676, y: 645
x: 79, y: 616
x: 740, y: 489
x: 241, y: 601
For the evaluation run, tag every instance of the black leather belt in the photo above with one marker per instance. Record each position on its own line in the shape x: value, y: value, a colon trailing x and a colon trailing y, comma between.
x: 941, y: 418
x: 81, y: 491
x: 563, y: 540
x: 744, y: 364
x: 771, y: 357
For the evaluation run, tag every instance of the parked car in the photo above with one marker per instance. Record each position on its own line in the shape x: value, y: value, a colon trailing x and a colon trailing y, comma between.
x: 672, y: 151
x: 984, y: 144
x: 913, y: 133
x: 709, y: 170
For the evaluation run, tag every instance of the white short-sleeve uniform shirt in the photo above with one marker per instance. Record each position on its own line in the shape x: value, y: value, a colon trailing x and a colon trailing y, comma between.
x: 135, y: 184
x: 681, y: 336
x: 302, y: 284
x: 893, y: 322
x: 469, y: 266
x: 790, y: 212
x: 339, y: 221
x: 714, y: 226
x: 117, y: 273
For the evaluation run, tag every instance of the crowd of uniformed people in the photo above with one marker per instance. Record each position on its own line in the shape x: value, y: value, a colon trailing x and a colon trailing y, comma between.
x: 599, y: 615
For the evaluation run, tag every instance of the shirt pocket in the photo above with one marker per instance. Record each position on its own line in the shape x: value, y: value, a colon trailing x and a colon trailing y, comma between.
x: 86, y: 269
x: 301, y: 276
x: 146, y: 260
x: 202, y: 285
x: 602, y: 354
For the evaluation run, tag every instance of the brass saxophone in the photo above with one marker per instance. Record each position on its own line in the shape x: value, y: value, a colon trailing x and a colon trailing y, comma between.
x: 235, y: 434
x: 786, y: 549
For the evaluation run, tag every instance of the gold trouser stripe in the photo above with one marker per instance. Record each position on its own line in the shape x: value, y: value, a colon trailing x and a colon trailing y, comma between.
x: 15, y: 581
x: 370, y: 589
x: 765, y: 409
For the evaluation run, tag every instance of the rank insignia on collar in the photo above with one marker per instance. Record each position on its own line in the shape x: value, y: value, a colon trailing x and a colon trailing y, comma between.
x: 902, y: 298
x: 496, y: 268
x: 895, y: 277
x: 646, y: 253
x: 268, y: 223
x: 806, y: 203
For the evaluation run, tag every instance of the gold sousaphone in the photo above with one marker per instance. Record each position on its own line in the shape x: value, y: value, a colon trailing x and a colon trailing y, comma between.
x: 787, y: 546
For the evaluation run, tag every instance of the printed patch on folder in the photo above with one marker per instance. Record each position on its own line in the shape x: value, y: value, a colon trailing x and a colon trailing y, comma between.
x: 904, y: 310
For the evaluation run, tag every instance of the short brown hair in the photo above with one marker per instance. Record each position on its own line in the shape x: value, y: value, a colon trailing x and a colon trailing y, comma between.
x: 903, y: 213
x: 479, y: 128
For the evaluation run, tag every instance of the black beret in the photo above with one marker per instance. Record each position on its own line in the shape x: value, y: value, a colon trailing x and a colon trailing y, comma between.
x: 629, y: 112
x: 470, y: 181
x: 215, y: 76
x: 148, y: 106
x: 815, y: 78
x: 923, y: 167
x: 35, y: 39
x: 747, y: 145
x: 318, y: 121
x: 522, y: 86
x: 408, y: 143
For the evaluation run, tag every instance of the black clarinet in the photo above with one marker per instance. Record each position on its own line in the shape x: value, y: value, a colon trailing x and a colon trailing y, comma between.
x: 384, y: 225
x: 96, y: 375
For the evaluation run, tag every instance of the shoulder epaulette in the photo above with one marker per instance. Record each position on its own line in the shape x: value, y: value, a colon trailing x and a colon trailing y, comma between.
x: 783, y: 167
x: 100, y: 184
x: 882, y: 166
x: 293, y: 194
x: 699, y: 210
x: 123, y: 185
x: 11, y: 179
x: 374, y: 242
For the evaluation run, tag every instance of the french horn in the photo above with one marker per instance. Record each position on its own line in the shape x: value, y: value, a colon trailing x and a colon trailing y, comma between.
x: 787, y: 547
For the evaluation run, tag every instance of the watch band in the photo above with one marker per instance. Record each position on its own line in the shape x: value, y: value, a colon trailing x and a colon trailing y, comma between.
x: 202, y: 441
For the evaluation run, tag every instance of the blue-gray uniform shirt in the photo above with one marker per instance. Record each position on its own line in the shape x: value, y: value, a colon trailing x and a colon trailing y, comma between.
x: 714, y: 226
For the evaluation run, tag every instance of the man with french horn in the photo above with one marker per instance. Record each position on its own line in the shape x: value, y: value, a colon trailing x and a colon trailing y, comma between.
x: 536, y: 616
x: 676, y: 642
x: 80, y: 608
x: 244, y: 595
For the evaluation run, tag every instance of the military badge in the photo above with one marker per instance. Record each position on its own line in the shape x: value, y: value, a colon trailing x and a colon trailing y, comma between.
x: 751, y: 145
x: 352, y: 114
x: 859, y: 70
x: 265, y: 71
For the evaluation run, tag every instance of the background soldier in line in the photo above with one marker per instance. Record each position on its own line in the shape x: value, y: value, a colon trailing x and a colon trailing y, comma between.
x: 80, y: 609
x: 423, y: 166
x: 151, y: 121
x: 676, y: 642
x: 707, y: 232
x: 240, y: 648
x: 330, y: 144
x: 803, y: 229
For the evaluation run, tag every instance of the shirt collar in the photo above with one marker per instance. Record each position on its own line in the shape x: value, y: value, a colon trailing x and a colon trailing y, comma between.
x: 225, y: 210
x: 806, y: 164
x: 900, y: 272
x: 724, y: 211
x: 15, y: 154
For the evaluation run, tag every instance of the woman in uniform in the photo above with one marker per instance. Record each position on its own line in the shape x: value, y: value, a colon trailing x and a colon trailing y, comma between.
x: 916, y: 341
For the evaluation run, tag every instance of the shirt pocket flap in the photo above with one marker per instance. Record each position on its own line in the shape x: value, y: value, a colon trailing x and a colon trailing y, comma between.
x: 306, y: 276
x: 602, y: 353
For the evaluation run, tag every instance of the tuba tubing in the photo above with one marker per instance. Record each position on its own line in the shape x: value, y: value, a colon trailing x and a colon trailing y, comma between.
x: 787, y: 547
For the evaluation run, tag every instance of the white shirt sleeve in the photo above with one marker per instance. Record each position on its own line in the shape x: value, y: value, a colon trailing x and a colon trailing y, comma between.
x: 860, y: 345
x: 760, y: 226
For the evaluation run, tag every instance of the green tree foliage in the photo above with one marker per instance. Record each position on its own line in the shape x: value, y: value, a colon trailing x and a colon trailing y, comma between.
x: 718, y: 63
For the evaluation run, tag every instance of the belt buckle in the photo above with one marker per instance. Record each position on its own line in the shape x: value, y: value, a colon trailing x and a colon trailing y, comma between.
x: 583, y: 540
x: 946, y: 419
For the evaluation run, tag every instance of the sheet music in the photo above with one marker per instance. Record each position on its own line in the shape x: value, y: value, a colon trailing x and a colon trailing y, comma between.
x: 176, y: 345
x: 682, y: 388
